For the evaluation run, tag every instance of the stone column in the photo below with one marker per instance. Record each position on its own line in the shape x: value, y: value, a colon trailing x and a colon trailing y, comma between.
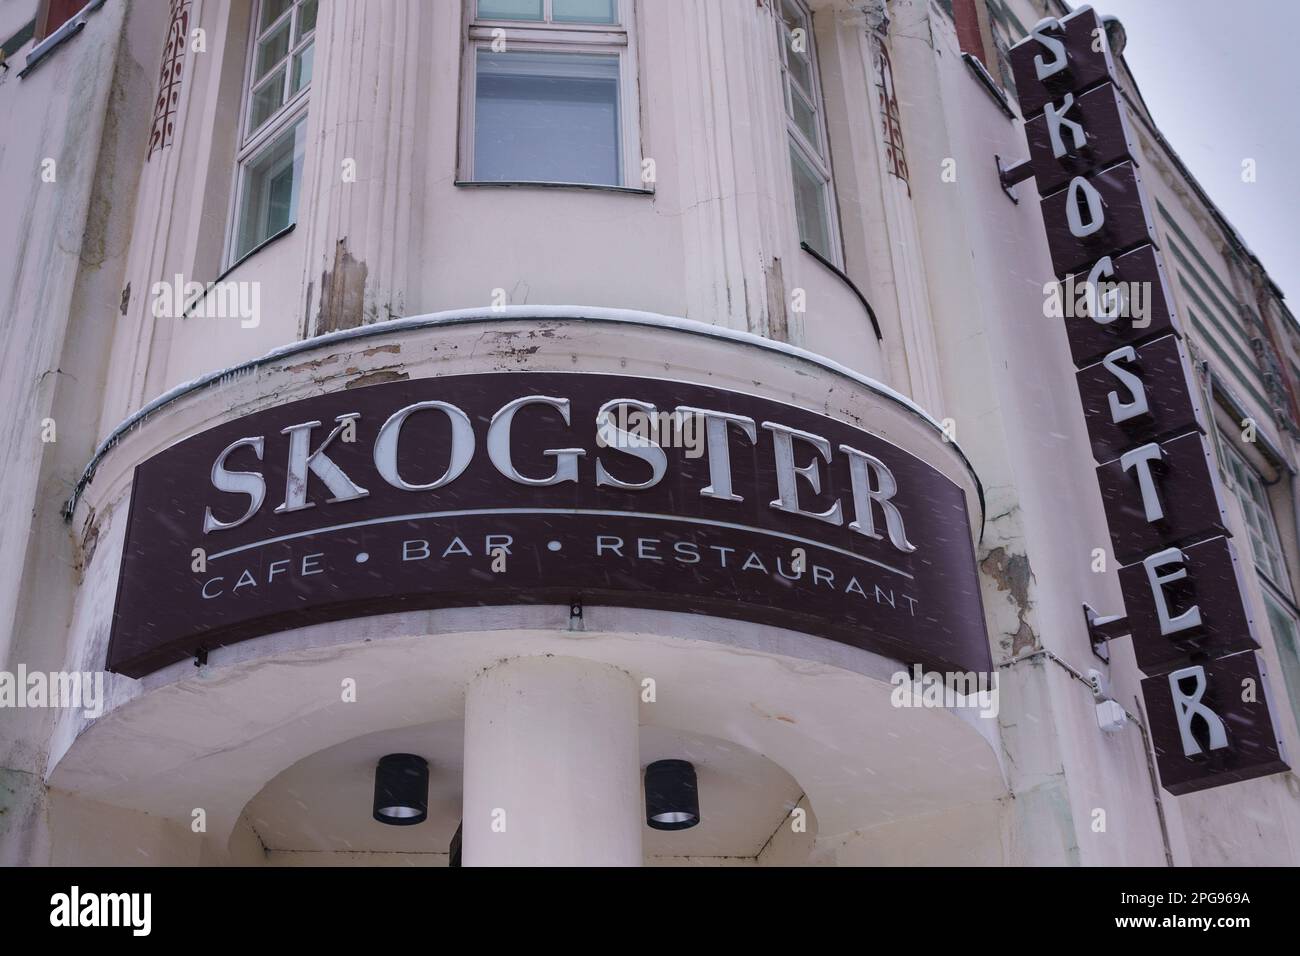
x: 552, y: 766
x: 361, y: 201
x: 725, y: 136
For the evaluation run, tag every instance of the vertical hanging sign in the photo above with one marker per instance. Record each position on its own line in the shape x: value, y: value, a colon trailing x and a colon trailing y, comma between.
x: 1192, y: 631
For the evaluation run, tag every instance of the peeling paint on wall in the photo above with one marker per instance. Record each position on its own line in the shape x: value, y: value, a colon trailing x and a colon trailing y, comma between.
x: 778, y: 322
x: 1012, y: 575
x: 377, y: 377
x: 85, y: 547
x: 514, y: 348
x: 342, y: 292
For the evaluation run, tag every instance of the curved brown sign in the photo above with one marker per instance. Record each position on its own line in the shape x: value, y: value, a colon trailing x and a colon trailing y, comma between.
x: 545, y: 488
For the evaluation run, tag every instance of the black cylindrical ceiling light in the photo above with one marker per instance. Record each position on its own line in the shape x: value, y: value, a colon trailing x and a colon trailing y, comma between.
x: 672, y: 795
x: 402, y: 790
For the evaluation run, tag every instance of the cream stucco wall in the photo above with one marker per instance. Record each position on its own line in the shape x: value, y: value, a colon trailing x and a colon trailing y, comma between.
x: 954, y: 272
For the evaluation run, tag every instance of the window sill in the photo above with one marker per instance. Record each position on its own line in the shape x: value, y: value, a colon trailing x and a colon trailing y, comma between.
x: 526, y: 184
x: 235, y: 265
x: 66, y: 31
x: 990, y: 85
x: 843, y: 277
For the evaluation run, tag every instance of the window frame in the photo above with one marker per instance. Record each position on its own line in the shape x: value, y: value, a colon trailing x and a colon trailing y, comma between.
x: 548, y: 36
x: 1284, y: 644
x: 250, y: 146
x: 53, y: 14
x: 1272, y: 566
x: 816, y: 155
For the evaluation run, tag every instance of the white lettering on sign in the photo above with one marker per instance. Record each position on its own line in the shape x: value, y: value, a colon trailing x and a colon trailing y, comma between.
x: 1189, y: 706
x: 1189, y: 618
x: 717, y: 438
x: 1139, y: 460
x: 1042, y: 68
x: 498, y: 440
x: 608, y: 434
x: 788, y: 474
x: 318, y: 463
x: 1123, y: 411
x: 249, y: 483
x: 462, y: 445
x: 1081, y: 189
x: 1056, y: 120
x: 873, y: 485
x: 1106, y: 305
x: 861, y: 465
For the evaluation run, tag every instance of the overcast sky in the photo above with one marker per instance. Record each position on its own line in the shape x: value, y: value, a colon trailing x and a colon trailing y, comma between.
x: 1222, y: 81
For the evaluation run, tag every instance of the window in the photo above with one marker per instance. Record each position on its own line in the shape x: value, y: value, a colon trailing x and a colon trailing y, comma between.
x: 1286, y: 637
x: 550, y: 93
x: 274, y: 123
x: 52, y: 14
x: 1248, y: 488
x: 1246, y: 485
x: 810, y: 165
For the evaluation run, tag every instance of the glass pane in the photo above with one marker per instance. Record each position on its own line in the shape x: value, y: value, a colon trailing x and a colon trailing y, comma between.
x: 271, y: 11
x: 793, y: 16
x: 800, y: 70
x: 1258, y: 492
x: 1259, y: 550
x: 266, y: 100
x: 271, y: 183
x: 301, y: 74
x: 810, y: 204
x: 1250, y: 493
x: 547, y: 117
x: 306, y: 18
x: 1288, y: 649
x: 1259, y: 519
x: 805, y: 117
x: 584, y: 11
x: 272, y: 50
x: 510, y: 9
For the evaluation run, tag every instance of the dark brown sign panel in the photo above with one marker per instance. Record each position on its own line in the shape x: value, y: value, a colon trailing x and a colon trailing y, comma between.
x: 1118, y: 206
x: 1105, y: 138
x: 1180, y: 504
x: 1076, y: 40
x: 1179, y: 576
x: 495, y: 489
x: 1203, y: 613
x: 1171, y: 404
x: 1141, y: 270
x: 1212, y: 725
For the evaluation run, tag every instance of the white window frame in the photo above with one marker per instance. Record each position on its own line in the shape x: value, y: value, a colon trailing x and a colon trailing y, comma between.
x: 1287, y: 645
x: 545, y: 36
x: 293, y: 107
x: 1255, y: 504
x: 817, y: 155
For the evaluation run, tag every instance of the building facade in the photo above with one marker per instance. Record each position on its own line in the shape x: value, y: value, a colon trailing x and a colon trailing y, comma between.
x: 551, y: 388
